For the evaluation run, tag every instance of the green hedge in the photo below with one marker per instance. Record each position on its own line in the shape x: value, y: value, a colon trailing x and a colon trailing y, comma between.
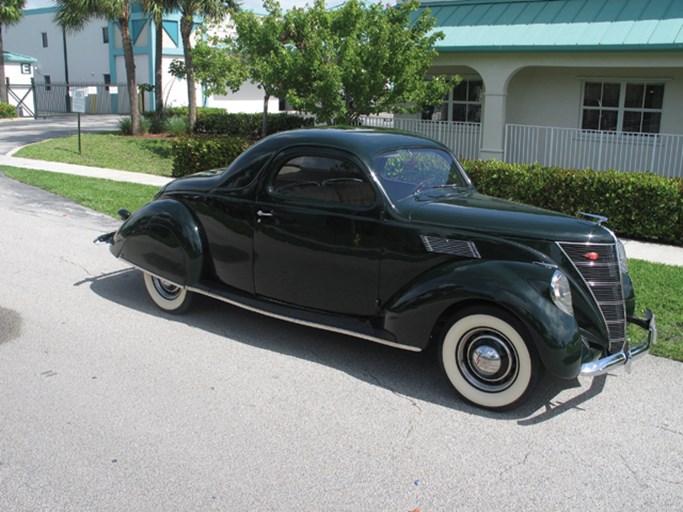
x: 638, y: 205
x: 248, y: 125
x: 183, y: 111
x: 200, y: 153
x: 7, y: 110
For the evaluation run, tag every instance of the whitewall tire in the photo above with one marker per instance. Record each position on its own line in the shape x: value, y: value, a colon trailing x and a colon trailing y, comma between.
x: 489, y: 359
x: 167, y: 296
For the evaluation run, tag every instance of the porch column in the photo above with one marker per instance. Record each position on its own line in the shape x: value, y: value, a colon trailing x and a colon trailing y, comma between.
x: 493, y: 124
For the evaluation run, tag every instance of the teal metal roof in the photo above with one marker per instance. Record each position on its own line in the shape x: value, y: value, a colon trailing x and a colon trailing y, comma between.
x: 18, y: 57
x: 558, y: 25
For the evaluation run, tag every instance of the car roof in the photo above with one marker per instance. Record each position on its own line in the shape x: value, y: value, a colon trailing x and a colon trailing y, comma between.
x: 363, y: 142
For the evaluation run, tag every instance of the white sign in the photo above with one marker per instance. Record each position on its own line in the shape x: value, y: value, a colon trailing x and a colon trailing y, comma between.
x: 113, y: 89
x: 92, y: 90
x: 78, y: 100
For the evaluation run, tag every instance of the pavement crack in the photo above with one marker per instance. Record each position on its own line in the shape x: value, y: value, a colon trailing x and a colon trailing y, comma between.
x: 516, y: 465
x: 399, y: 395
x: 63, y: 259
x: 635, y: 475
x: 667, y: 429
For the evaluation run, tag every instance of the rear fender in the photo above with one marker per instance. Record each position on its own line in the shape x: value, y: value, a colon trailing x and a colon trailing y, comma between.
x: 163, y: 238
x: 523, y: 289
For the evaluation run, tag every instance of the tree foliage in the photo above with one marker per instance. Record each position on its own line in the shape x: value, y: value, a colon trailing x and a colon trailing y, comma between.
x: 10, y: 14
x: 375, y: 59
x: 207, y: 9
x: 338, y: 64
x: 72, y: 15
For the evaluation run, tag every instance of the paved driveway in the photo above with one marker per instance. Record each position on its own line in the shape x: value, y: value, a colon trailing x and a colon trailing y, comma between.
x: 108, y: 404
x: 16, y: 133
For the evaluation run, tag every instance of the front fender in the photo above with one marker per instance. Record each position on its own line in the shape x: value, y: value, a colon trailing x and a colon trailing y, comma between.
x: 518, y: 287
x: 163, y: 238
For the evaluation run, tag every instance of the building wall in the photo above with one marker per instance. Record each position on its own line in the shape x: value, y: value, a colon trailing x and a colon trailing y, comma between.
x: 550, y: 96
x: 88, y: 56
x: 248, y: 99
x: 545, y: 89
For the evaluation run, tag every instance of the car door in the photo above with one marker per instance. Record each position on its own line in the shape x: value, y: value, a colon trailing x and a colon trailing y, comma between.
x: 318, y: 233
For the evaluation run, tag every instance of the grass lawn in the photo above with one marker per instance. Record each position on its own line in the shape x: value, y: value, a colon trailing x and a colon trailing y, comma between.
x: 658, y: 287
x: 136, y: 154
x: 104, y: 196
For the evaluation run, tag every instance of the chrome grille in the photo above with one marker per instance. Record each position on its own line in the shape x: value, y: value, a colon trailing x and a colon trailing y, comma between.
x: 603, y: 277
x: 453, y: 247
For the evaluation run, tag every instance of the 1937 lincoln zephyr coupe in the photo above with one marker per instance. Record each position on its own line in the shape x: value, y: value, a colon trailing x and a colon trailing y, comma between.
x: 381, y: 235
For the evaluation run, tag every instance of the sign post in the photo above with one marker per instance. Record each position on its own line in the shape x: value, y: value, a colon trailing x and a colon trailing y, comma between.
x: 78, y: 106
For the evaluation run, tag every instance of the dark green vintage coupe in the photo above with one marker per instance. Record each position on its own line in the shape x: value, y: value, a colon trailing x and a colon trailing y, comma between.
x: 381, y: 235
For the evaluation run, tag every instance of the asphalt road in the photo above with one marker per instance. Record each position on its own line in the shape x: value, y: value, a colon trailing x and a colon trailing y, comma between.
x: 19, y: 132
x: 108, y: 404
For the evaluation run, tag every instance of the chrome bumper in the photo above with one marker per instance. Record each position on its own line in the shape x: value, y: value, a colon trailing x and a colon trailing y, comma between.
x: 624, y: 358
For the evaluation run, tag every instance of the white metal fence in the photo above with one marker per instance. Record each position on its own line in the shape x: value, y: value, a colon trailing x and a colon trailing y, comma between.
x: 599, y: 150
x: 463, y: 139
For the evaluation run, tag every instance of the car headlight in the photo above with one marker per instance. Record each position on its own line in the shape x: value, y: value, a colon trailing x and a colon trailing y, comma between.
x: 621, y: 254
x: 561, y: 292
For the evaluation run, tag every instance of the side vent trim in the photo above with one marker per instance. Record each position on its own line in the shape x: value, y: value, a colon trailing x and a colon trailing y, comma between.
x: 451, y: 247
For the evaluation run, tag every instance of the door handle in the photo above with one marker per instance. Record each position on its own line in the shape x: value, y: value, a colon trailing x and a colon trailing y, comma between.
x: 262, y: 214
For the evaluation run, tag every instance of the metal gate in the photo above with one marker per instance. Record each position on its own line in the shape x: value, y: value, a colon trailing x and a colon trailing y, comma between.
x: 23, y: 97
x: 55, y: 98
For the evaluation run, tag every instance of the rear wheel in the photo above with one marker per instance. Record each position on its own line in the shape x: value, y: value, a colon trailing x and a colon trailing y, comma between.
x: 166, y: 295
x: 489, y: 358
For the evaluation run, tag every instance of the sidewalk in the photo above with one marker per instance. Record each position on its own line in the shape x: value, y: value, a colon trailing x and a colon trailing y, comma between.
x: 667, y: 254
x: 82, y: 170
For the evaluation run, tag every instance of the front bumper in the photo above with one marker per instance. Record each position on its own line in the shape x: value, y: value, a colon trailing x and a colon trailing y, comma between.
x: 624, y: 358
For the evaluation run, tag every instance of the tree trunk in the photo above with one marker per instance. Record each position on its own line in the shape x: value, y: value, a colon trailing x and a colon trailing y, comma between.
x: 129, y: 60
x: 158, y: 70
x: 264, y: 122
x: 3, y: 85
x: 186, y: 25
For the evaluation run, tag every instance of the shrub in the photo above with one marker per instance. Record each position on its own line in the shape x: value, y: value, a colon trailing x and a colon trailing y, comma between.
x: 638, y: 205
x: 126, y: 126
x: 156, y: 124
x: 145, y: 125
x: 200, y: 153
x: 248, y: 125
x: 183, y: 111
x: 7, y: 111
x: 176, y: 126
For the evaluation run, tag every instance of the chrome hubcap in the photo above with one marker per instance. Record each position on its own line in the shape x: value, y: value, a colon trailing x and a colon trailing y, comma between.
x: 488, y: 360
x: 167, y: 290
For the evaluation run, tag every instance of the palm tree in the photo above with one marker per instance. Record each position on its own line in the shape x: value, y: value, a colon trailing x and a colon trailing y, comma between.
x: 10, y: 13
x: 156, y: 10
x: 73, y: 15
x: 189, y: 9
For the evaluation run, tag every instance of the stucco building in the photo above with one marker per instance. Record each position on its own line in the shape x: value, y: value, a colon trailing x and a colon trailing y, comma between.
x: 585, y: 83
x: 93, y: 56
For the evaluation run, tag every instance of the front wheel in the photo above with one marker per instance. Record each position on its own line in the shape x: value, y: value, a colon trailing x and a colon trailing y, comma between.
x: 167, y: 296
x: 489, y: 359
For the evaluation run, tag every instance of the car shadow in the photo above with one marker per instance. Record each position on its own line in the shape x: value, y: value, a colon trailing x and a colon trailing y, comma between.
x: 415, y: 377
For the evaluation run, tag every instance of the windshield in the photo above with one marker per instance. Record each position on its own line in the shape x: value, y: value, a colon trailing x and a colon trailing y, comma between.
x: 408, y: 171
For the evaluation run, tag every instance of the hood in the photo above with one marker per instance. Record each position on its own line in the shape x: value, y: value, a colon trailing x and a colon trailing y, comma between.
x: 469, y: 210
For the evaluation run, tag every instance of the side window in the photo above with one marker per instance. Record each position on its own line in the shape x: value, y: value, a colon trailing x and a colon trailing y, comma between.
x: 325, y: 179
